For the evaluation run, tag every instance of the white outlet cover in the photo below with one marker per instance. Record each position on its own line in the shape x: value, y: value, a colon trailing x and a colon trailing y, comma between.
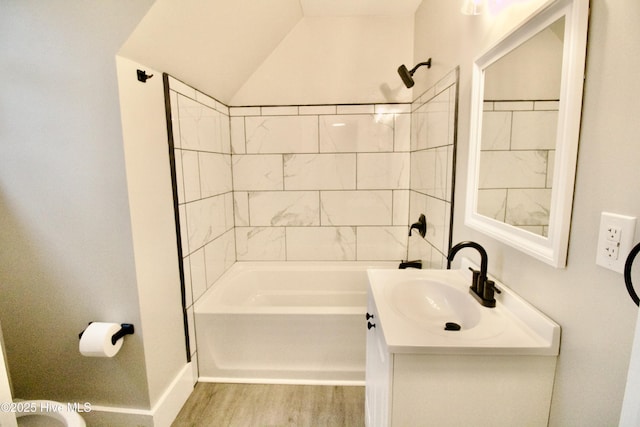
x: 627, y: 227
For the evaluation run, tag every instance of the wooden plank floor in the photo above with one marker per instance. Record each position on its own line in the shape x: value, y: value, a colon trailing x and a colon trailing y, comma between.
x: 261, y: 405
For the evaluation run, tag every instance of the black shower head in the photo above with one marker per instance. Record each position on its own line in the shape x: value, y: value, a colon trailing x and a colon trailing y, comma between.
x: 407, y: 75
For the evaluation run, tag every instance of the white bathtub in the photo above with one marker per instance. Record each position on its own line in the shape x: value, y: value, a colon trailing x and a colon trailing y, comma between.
x: 285, y: 322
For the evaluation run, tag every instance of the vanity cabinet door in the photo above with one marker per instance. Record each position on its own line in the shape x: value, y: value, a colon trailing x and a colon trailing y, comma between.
x: 378, y: 373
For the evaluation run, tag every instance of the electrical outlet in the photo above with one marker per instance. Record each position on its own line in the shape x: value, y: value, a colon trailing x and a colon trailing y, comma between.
x: 615, y: 240
x: 612, y: 250
x: 613, y: 233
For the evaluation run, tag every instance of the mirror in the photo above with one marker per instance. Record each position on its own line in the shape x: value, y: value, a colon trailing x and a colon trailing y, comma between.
x: 525, y: 123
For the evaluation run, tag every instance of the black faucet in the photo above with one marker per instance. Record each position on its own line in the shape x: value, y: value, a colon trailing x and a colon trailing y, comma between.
x: 482, y: 289
x: 411, y: 264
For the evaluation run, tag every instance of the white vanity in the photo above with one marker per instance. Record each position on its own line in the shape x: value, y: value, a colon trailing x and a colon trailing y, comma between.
x: 493, y: 367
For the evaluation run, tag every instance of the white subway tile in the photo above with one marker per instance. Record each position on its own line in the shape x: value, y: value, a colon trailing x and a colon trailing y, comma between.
x: 492, y: 203
x: 321, y: 243
x: 423, y: 171
x: 356, y: 207
x: 225, y: 134
x: 392, y: 108
x: 241, y: 208
x: 237, y: 135
x: 229, y: 219
x: 191, y: 175
x: 447, y: 81
x: 319, y: 171
x: 215, y: 174
x: 528, y: 206
x: 317, y: 109
x: 401, y: 207
x: 175, y: 120
x: 199, y: 126
x: 521, y: 169
x: 280, y: 208
x: 356, y: 133
x: 419, y: 129
x: 244, y: 111
x: 436, y: 215
x: 177, y: 155
x: 547, y: 105
x: 282, y: 134
x: 496, y: 130
x: 219, y: 255
x: 534, y: 130
x: 383, y: 171
x: 188, y: 293
x: 184, y: 231
x: 438, y: 120
x: 222, y: 108
x: 402, y: 133
x: 356, y: 109
x: 182, y: 88
x: 449, y: 180
x: 513, y: 105
x: 442, y: 162
x: 191, y: 325
x: 280, y: 111
x: 260, y: 243
x: 206, y: 100
x: 206, y: 220
x: 382, y: 243
x: 551, y: 162
x: 257, y: 172
x: 198, y: 274
x: 425, y: 97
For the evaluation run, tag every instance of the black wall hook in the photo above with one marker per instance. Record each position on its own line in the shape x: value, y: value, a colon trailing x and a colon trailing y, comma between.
x: 143, y: 76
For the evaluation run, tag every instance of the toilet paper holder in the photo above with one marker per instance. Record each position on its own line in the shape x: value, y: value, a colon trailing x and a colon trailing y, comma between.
x: 126, y: 329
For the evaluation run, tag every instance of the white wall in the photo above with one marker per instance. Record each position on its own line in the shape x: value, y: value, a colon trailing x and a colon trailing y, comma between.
x: 334, y: 60
x: 589, y: 302
x: 153, y: 228
x: 65, y: 231
x: 213, y: 45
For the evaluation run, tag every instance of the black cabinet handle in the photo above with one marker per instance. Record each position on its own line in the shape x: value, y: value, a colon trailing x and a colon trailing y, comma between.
x: 370, y: 325
x: 370, y: 316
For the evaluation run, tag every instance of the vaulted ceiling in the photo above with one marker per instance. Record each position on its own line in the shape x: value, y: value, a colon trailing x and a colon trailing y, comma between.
x: 280, y: 51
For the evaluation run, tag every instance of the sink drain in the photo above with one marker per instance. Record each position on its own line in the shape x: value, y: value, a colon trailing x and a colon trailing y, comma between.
x: 452, y: 326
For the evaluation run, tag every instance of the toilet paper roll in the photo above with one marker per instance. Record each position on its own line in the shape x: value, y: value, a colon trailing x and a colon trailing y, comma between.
x: 96, y: 340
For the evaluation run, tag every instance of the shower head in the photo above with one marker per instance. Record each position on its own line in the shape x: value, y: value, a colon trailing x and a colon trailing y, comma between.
x: 407, y: 75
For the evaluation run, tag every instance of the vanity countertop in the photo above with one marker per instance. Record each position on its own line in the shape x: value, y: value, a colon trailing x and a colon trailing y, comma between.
x: 415, y: 306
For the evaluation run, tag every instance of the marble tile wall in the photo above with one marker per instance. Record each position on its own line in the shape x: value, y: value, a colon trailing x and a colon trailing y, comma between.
x: 329, y: 182
x: 202, y: 150
x: 326, y: 182
x: 516, y: 162
x: 433, y: 122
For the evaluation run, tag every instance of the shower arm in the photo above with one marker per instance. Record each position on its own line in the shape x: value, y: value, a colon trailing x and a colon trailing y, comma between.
x: 427, y: 63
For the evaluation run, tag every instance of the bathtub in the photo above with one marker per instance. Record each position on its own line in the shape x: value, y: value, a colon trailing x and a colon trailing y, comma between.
x: 285, y: 323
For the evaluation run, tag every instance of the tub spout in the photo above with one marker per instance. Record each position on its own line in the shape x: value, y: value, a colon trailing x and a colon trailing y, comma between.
x: 411, y: 264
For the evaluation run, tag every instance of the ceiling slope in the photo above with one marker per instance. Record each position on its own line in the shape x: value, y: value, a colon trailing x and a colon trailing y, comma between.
x: 213, y: 45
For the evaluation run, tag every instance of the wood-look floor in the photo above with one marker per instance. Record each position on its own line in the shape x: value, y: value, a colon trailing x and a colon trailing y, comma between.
x: 260, y: 405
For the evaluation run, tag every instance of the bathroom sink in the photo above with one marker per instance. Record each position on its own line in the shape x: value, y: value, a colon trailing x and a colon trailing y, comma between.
x: 432, y: 311
x: 434, y: 304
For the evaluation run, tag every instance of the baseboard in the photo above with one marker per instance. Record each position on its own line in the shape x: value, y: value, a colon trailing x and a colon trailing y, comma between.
x: 284, y: 381
x: 161, y: 415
